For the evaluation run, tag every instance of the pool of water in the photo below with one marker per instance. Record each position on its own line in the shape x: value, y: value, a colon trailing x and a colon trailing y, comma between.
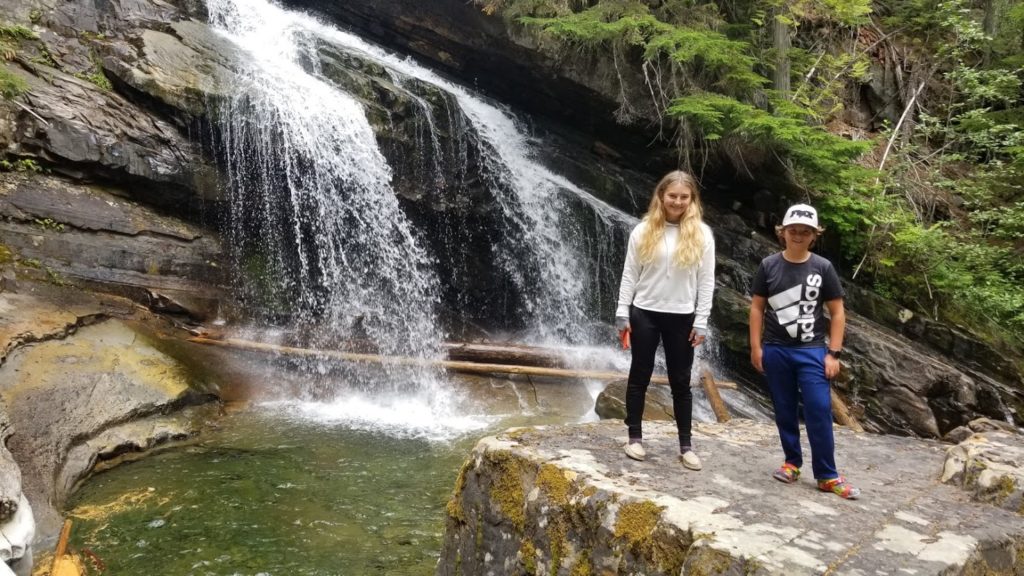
x: 315, y: 469
x: 281, y: 487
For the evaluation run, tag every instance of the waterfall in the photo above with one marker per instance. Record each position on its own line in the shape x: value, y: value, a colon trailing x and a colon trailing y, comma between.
x: 326, y: 234
x: 558, y: 236
x: 340, y: 237
x: 315, y: 223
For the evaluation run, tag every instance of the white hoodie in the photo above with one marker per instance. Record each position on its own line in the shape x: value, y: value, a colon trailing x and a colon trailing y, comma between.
x: 661, y: 285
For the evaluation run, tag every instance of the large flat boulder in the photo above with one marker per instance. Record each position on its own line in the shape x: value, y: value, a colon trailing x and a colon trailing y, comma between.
x: 566, y: 500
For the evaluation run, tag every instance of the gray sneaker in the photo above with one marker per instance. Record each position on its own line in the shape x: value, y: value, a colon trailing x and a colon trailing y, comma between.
x: 635, y: 451
x: 691, y: 460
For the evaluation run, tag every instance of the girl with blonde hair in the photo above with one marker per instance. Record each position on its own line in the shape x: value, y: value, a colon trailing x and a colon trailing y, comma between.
x: 665, y: 296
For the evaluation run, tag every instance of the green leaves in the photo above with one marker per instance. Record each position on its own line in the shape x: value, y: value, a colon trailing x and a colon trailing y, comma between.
x: 11, y: 86
x: 696, y: 51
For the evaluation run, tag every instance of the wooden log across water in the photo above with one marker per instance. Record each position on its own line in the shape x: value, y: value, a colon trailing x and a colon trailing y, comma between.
x: 504, y: 354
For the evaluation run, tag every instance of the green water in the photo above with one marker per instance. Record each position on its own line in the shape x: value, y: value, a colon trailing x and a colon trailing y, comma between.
x: 271, y: 495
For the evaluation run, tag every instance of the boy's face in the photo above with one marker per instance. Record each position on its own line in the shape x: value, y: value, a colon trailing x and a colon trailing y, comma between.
x: 798, y: 235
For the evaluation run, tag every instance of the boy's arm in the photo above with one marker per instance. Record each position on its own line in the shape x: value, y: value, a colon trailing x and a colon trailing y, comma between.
x: 835, y: 335
x: 757, y: 305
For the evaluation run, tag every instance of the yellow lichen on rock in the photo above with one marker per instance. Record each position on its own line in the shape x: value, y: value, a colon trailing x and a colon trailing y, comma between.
x: 552, y: 480
x: 110, y: 348
x: 507, y: 486
x: 636, y: 521
x: 454, y: 506
x: 528, y: 556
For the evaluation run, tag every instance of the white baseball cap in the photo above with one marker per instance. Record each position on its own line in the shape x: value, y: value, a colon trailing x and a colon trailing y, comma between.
x: 801, y: 214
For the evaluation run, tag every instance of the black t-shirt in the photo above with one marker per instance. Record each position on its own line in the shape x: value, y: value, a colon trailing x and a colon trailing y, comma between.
x: 796, y: 294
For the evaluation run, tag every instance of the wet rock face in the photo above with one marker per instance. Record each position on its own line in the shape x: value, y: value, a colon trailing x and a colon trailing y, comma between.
x: 565, y: 500
x: 74, y: 121
x: 445, y: 189
x: 87, y: 392
x: 511, y: 62
x: 91, y: 236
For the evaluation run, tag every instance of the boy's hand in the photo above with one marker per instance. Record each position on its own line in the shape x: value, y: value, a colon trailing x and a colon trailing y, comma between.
x: 832, y: 367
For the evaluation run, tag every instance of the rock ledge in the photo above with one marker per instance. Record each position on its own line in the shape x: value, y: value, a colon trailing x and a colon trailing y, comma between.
x: 565, y: 500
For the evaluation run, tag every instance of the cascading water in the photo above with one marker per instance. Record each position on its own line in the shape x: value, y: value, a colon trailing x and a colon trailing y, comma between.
x: 337, y: 228
x: 315, y: 219
x: 557, y: 237
x: 318, y: 208
x: 318, y: 234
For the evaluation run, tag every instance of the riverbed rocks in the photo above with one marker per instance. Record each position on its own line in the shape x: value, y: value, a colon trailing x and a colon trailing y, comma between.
x: 989, y: 466
x: 85, y: 384
x: 565, y: 500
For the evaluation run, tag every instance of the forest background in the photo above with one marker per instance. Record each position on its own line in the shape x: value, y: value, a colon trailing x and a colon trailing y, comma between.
x: 926, y: 195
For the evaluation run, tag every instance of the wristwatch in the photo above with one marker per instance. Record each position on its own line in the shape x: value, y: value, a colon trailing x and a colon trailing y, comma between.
x: 835, y: 353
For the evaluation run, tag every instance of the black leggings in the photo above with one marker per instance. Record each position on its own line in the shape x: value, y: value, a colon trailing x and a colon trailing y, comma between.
x: 673, y: 330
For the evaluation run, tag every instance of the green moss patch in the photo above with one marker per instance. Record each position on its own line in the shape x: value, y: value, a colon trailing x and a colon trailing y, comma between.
x: 553, y: 482
x: 636, y: 522
x: 454, y: 506
x: 507, y: 487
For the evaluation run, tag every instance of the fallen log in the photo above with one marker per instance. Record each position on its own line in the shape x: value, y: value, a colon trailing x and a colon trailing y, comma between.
x: 452, y: 365
x: 714, y: 398
x: 841, y: 414
x: 503, y: 354
x: 62, y: 564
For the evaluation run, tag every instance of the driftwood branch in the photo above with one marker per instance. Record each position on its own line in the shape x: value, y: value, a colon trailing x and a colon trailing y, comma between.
x: 62, y: 548
x: 841, y: 414
x: 714, y: 398
x: 896, y: 130
x: 477, y: 351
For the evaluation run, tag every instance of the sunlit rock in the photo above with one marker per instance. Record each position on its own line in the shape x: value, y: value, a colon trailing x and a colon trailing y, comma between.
x: 566, y: 500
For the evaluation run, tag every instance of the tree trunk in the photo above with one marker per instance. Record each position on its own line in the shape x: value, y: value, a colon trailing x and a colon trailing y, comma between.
x: 503, y: 354
x: 990, y: 24
x: 781, y: 42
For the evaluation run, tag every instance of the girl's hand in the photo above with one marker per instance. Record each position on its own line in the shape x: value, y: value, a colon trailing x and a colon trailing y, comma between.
x: 696, y: 337
x: 831, y: 367
x: 755, y: 359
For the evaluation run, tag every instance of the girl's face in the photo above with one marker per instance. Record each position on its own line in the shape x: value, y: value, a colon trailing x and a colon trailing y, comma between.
x: 798, y: 236
x: 675, y: 201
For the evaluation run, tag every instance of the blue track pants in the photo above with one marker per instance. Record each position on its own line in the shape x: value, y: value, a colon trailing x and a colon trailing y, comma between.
x: 796, y: 374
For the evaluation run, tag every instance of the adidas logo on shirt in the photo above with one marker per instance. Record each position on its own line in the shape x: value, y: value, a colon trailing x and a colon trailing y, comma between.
x: 794, y: 308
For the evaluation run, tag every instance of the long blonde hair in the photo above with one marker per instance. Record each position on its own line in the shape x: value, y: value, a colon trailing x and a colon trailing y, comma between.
x: 690, y: 246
